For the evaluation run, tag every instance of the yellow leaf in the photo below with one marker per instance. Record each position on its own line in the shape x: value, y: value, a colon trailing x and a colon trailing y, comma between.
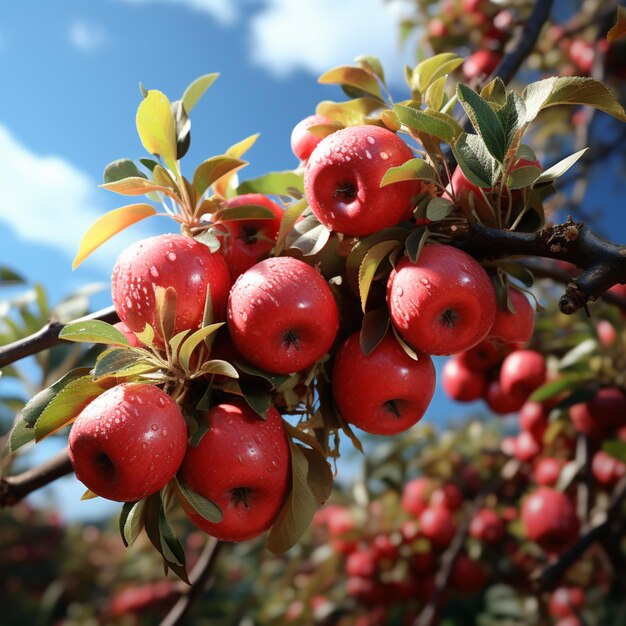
x: 108, y: 225
x: 237, y: 151
x: 156, y: 127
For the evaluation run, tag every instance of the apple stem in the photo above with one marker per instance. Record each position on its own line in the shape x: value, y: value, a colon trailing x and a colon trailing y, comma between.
x: 449, y: 318
x: 290, y: 339
x: 347, y: 190
x: 392, y: 407
x: 240, y: 495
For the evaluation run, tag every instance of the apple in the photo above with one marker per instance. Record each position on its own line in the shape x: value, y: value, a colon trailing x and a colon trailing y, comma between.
x: 571, y: 620
x: 501, y: 402
x: 385, y: 392
x: 606, y: 332
x: 184, y: 264
x: 448, y: 495
x: 607, y: 470
x: 480, y: 63
x: 582, y: 54
x: 442, y: 304
x: 303, y: 141
x: 514, y: 327
x: 282, y: 316
x: 416, y: 495
x: 487, y: 526
x: 128, y: 442
x: 437, y: 524
x: 604, y: 412
x: 483, y: 356
x: 547, y: 471
x: 522, y: 371
x: 242, y: 464
x: 468, y: 575
x: 533, y: 418
x: 437, y: 28
x: 342, y: 181
x: 549, y: 519
x: 566, y: 601
x: 247, y: 241
x: 361, y: 563
x: 462, y: 383
x: 526, y: 447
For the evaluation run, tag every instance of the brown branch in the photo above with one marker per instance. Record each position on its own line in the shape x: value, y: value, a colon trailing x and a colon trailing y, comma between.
x: 199, y: 578
x: 47, y: 337
x: 549, y: 577
x: 14, y: 488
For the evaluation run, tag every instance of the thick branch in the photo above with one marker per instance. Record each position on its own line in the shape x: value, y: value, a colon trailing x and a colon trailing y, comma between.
x: 603, y: 263
x: 199, y: 578
x: 14, y: 488
x: 47, y: 337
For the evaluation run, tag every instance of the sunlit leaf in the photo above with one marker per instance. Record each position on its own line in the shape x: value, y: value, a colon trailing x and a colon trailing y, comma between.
x: 156, y: 127
x: 274, y: 183
x: 120, y: 169
x: 428, y: 71
x: 353, y: 77
x: 423, y: 122
x: 202, y: 506
x: 93, y: 331
x: 558, y: 169
x: 196, y: 90
x: 131, y: 521
x: 372, y: 260
x: 413, y: 169
x: 212, y: 170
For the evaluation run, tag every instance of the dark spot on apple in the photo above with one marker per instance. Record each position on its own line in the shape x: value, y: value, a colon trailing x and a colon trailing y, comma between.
x: 249, y: 234
x: 392, y: 407
x: 290, y: 339
x: 346, y: 191
x: 104, y: 463
x: 449, y: 318
x: 240, y: 495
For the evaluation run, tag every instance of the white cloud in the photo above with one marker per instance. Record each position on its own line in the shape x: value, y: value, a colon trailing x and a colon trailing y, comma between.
x: 86, y: 36
x: 315, y: 36
x: 224, y: 11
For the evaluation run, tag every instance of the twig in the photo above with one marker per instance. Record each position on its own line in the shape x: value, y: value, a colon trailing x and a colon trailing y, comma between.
x: 14, y: 488
x: 47, y: 337
x: 199, y: 578
x: 548, y: 577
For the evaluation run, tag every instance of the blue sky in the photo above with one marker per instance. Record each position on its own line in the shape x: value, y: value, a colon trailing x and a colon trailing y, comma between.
x: 70, y: 70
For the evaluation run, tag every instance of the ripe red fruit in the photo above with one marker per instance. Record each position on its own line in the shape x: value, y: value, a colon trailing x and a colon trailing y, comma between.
x: 605, y: 411
x: 282, y: 315
x: 303, y: 141
x: 385, y: 392
x: 526, y: 447
x: 168, y: 261
x: 437, y: 28
x: 607, y: 470
x: 487, y: 526
x: 547, y: 471
x: 566, y: 601
x: 480, y: 62
x: 533, y: 418
x: 342, y: 180
x: 500, y: 402
x: 248, y: 241
x: 448, y: 495
x: 361, y: 563
x: 129, y: 442
x: 442, y: 304
x: 582, y: 53
x: 462, y: 383
x: 606, y: 332
x: 482, y: 356
x: 522, y: 372
x: 549, y: 518
x: 467, y: 575
x: 243, y: 464
x: 416, y: 495
x: 437, y: 524
x: 513, y: 327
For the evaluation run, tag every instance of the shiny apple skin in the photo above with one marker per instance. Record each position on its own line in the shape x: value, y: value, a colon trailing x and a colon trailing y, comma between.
x: 303, y: 141
x: 240, y: 452
x: 342, y: 181
x: 442, y: 304
x: 385, y: 392
x: 514, y: 327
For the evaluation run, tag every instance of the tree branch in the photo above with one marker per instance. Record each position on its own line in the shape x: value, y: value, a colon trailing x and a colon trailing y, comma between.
x: 47, y: 337
x: 199, y: 578
x: 14, y: 488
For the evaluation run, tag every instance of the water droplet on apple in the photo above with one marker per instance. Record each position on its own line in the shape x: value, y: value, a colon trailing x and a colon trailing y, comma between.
x: 154, y: 272
x: 155, y: 427
x: 371, y: 139
x: 384, y: 156
x: 171, y: 256
x: 164, y: 432
x: 368, y: 154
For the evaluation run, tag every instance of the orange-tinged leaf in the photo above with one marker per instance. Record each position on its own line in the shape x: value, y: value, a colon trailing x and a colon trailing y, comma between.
x: 619, y: 29
x: 221, y: 186
x: 108, y: 225
x: 137, y: 186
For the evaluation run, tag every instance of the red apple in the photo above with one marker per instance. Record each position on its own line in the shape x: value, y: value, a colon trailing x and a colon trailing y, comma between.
x: 547, y: 471
x: 526, y: 447
x: 462, y: 383
x: 437, y: 525
x: 385, y: 392
x: 607, y: 470
x: 514, y: 327
x: 168, y: 261
x: 468, y: 575
x: 247, y: 241
x: 361, y: 563
x: 479, y: 63
x: 533, y: 418
x: 500, y: 402
x: 243, y: 464
x: 606, y: 332
x: 303, y: 141
x: 522, y: 372
x: 603, y: 413
x: 129, y: 442
x: 487, y: 526
x: 549, y: 519
x: 448, y: 495
x: 416, y: 495
x: 566, y: 601
x: 282, y: 316
x: 442, y: 304
x: 483, y: 355
x: 342, y: 181
x: 582, y: 53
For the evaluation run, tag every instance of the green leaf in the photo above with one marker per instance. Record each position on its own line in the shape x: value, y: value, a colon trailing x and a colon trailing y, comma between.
x: 131, y: 521
x: 93, y: 331
x: 475, y: 160
x: 485, y: 120
x: 21, y: 434
x: 244, y: 212
x: 495, y: 92
x: 9, y: 277
x: 196, y: 90
x: 109, y: 225
x: 299, y: 508
x: 615, y: 448
x: 511, y: 116
x: 120, y: 169
x: 523, y: 177
x: 146, y: 336
x: 157, y: 128
x: 201, y: 505
x: 219, y: 368
x: 570, y: 90
x: 413, y: 169
x: 350, y: 76
x: 66, y: 406
x: 424, y: 122
x: 192, y: 342
x: 38, y: 403
x: 354, y: 112
x: 565, y: 382
x: 287, y: 222
x: 415, y: 243
x: 579, y: 352
x: 183, y: 129
x: 438, y: 209
x: 211, y: 170
x: 428, y: 71
x: 435, y: 94
x: 371, y: 64
x: 122, y: 362
x: 558, y: 169
x: 374, y: 327
x: 275, y: 380
x: 274, y: 184
x: 374, y: 257
x: 308, y: 236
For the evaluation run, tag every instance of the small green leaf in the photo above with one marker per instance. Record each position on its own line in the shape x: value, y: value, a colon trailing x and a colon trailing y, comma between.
x: 371, y: 64
x: 9, y: 277
x: 579, y: 352
x: 93, y: 331
x: 157, y: 128
x: 244, y: 212
x: 615, y: 448
x: 219, y: 368
x: 354, y: 112
x: 565, y: 382
x: 121, y: 362
x: 435, y: 94
x: 210, y: 171
x: 511, y: 116
x: 374, y: 327
x: 438, y: 209
x: 146, y: 336
x: 558, y: 169
x: 475, y: 161
x: 433, y: 68
x: 201, y: 505
x: 196, y: 90
x: 120, y: 169
x: 372, y: 260
x: 21, y: 434
x: 289, y: 218
x: 350, y: 76
x: 413, y: 169
x: 495, y: 92
x: 192, y: 342
x: 131, y: 521
x: 183, y: 129
x: 523, y: 177
x: 425, y: 123
x: 415, y: 242
x: 308, y: 236
x: 273, y: 184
